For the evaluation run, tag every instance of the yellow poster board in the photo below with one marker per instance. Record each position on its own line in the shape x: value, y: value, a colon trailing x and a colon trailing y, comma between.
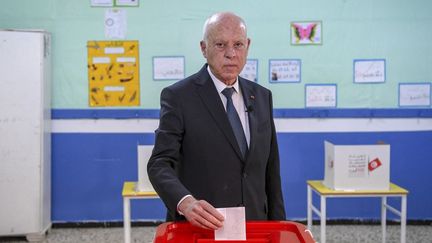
x: 113, y: 73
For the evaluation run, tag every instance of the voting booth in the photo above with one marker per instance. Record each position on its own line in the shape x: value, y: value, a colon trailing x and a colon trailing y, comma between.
x: 357, y: 167
x: 144, y: 154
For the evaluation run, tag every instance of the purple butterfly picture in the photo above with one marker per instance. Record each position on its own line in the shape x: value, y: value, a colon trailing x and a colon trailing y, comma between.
x: 306, y: 33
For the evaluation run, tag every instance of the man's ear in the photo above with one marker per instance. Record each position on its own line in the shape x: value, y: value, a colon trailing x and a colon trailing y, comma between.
x: 203, y: 48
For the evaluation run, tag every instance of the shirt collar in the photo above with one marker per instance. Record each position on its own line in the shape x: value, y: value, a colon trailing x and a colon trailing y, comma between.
x: 220, y: 86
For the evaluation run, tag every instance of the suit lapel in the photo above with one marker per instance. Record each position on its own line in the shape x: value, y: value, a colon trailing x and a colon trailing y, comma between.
x: 210, y: 97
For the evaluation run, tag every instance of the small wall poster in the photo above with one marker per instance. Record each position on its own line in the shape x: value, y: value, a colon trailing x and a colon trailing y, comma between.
x: 306, y: 33
x: 320, y: 95
x: 285, y: 70
x: 116, y: 3
x: 369, y: 71
x: 415, y: 94
x: 250, y: 70
x: 115, y: 24
x: 127, y: 3
x: 101, y: 3
x: 113, y: 73
x: 168, y: 68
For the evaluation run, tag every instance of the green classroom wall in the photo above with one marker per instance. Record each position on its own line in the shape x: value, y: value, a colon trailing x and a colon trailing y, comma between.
x: 396, y: 30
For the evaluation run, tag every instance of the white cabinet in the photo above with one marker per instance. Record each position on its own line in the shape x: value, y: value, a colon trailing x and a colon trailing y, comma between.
x: 25, y: 138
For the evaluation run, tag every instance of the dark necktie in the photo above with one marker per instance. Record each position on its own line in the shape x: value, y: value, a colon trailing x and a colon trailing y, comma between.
x: 234, y: 119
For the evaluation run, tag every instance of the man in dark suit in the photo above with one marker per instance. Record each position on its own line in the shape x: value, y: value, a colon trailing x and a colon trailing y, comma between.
x: 215, y: 149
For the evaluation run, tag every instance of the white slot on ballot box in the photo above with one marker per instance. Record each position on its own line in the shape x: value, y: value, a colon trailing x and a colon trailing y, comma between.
x: 357, y: 167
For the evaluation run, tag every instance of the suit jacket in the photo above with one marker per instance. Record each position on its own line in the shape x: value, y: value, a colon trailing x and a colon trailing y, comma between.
x: 196, y: 151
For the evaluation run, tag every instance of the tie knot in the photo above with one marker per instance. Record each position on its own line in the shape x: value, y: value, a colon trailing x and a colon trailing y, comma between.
x: 228, y: 92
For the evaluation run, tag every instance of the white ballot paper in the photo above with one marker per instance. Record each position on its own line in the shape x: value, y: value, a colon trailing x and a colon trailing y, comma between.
x: 234, y: 226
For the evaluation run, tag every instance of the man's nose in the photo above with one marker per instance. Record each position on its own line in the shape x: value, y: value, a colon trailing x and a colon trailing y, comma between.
x: 230, y: 52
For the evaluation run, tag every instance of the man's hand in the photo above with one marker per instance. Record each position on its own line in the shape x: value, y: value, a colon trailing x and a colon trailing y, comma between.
x: 200, y: 213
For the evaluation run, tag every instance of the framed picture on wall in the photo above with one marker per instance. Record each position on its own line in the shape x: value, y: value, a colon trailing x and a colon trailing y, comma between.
x: 414, y: 94
x: 285, y: 70
x: 114, y: 3
x: 306, y: 33
x: 320, y: 95
x: 102, y: 3
x: 369, y: 70
x: 168, y: 67
x: 126, y: 3
x: 250, y: 70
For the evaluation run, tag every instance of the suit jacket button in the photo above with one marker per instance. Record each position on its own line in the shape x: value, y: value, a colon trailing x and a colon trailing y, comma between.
x: 244, y: 175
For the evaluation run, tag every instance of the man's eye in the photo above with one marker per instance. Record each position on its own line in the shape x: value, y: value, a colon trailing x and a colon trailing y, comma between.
x: 239, y: 45
x: 220, y: 45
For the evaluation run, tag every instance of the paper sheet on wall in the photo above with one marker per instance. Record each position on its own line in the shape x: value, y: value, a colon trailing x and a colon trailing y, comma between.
x: 250, y: 70
x: 415, y: 94
x: 321, y: 96
x: 288, y: 70
x: 115, y: 24
x: 369, y: 71
x: 127, y: 3
x: 168, y: 68
x: 102, y: 3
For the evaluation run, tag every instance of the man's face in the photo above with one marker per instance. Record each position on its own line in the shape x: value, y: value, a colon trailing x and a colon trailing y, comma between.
x: 226, y: 50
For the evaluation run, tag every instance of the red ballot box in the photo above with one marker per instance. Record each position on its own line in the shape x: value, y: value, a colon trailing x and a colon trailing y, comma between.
x: 256, y: 231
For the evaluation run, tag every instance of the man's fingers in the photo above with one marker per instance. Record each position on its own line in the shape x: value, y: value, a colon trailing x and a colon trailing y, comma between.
x: 201, y: 222
x: 204, y: 215
x: 212, y: 218
x: 211, y: 210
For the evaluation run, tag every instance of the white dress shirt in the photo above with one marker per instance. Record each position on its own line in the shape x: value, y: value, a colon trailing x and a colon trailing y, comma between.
x: 238, y: 102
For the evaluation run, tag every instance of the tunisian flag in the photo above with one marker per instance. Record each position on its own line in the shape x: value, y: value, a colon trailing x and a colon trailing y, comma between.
x: 374, y: 164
